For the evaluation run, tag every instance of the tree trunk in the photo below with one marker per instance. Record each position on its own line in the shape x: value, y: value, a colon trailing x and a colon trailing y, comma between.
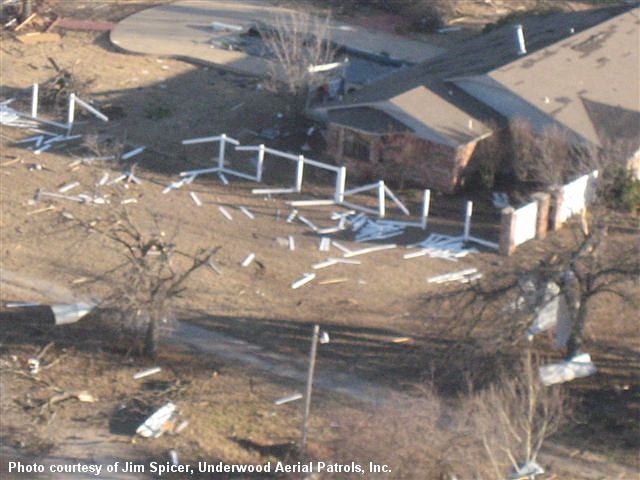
x: 151, y: 338
x: 26, y: 10
x: 574, y: 341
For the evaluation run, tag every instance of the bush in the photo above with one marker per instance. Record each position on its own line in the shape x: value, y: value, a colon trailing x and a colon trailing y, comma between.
x: 620, y: 190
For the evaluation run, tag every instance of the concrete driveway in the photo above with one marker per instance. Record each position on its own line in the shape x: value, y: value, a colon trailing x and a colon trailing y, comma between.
x: 183, y: 29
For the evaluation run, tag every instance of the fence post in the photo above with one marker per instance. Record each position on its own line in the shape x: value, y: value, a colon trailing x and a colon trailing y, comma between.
x: 381, y: 199
x: 71, y: 113
x: 299, y: 173
x: 260, y: 163
x: 221, y: 149
x: 506, y: 244
x: 426, y: 202
x: 34, y: 100
x: 467, y: 220
x: 341, y: 181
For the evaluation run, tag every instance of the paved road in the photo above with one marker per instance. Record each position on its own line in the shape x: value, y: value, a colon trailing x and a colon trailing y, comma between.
x: 183, y: 29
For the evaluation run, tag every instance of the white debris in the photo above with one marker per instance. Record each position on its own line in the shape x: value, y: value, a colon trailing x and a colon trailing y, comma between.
x: 291, y: 216
x: 247, y: 213
x: 195, y: 198
x: 157, y: 424
x: 308, y: 223
x: 68, y: 187
x: 578, y: 367
x: 225, y: 212
x: 442, y: 246
x: 132, y: 153
x: 146, y: 373
x: 247, y: 261
x: 462, y: 276
x: 340, y: 247
x: 325, y: 244
x: 289, y: 398
x: 306, y: 278
x: 364, y: 251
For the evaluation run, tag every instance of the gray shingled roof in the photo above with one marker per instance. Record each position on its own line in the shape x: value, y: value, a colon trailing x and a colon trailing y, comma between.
x: 588, y: 83
x: 478, y: 56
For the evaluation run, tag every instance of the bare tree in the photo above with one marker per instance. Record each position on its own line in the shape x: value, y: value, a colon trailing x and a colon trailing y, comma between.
x: 498, y: 310
x: 151, y: 275
x: 507, y: 423
x: 543, y: 158
x: 298, y: 41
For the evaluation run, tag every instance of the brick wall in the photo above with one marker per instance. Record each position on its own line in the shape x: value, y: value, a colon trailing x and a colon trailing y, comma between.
x: 402, y: 158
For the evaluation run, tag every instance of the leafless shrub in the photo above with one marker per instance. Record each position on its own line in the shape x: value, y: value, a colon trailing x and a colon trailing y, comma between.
x: 298, y: 41
x: 505, y: 425
x: 151, y: 274
x: 407, y: 434
x: 542, y: 158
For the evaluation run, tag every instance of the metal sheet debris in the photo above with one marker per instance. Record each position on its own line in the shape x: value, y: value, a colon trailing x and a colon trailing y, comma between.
x: 565, y: 371
x: 71, y: 313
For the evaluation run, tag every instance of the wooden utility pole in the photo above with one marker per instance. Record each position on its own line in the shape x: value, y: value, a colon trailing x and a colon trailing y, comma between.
x: 307, y: 398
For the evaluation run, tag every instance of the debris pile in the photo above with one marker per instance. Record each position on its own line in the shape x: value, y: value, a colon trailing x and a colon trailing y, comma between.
x: 442, y: 246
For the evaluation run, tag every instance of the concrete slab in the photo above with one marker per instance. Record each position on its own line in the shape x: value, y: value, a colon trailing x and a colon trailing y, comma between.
x: 183, y: 29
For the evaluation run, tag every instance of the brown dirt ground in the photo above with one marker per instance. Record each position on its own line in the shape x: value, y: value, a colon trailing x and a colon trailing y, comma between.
x: 157, y: 102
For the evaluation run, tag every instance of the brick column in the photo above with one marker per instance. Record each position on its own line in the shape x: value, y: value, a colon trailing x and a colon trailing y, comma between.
x: 555, y: 206
x: 542, y: 222
x: 507, y: 231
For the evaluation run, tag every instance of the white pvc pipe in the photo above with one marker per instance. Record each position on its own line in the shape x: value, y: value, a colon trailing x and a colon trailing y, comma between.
x: 221, y: 148
x: 260, y: 165
x: 381, y: 199
x: 299, y: 173
x: 363, y: 188
x: 305, y: 279
x: 192, y: 141
x: 397, y: 201
x: 34, y: 100
x: 71, y: 113
x: 91, y: 109
x: 195, y: 199
x: 426, y: 203
x: 341, y: 181
x: 224, y: 212
x: 247, y: 261
x: 132, y: 153
x: 247, y: 213
x: 467, y: 220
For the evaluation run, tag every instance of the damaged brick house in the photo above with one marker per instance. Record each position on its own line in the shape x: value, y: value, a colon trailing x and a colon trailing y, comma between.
x: 429, y: 122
